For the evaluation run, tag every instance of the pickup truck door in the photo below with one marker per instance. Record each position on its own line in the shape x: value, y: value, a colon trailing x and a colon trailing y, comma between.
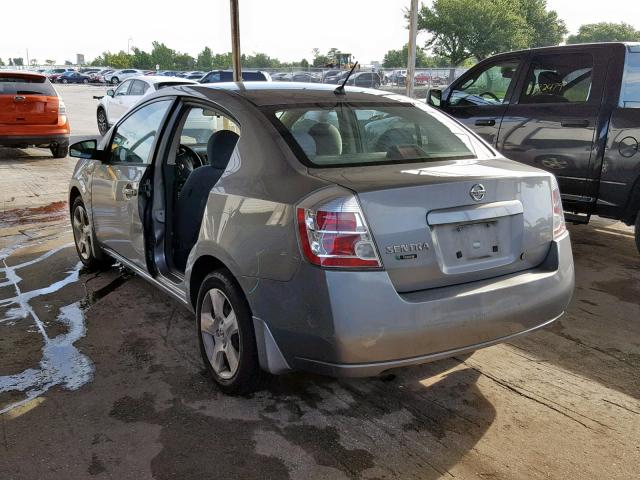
x: 552, y: 120
x: 479, y: 98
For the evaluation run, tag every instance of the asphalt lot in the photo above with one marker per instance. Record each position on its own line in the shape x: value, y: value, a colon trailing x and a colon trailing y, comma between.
x: 100, y: 374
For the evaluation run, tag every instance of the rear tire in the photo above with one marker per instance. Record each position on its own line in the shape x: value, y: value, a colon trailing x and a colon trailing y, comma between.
x: 85, y: 81
x: 64, y: 80
x: 115, y: 81
x: 59, y: 151
x: 88, y: 251
x: 637, y: 231
x: 226, y: 336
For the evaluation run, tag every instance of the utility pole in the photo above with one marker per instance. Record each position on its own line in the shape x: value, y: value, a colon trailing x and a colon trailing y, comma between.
x: 235, y: 41
x: 413, y: 34
x: 129, y: 40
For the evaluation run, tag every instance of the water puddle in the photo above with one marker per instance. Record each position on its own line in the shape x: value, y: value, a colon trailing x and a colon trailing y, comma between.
x: 61, y: 364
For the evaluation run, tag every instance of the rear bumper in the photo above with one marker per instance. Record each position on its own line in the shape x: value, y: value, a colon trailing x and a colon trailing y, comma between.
x: 357, y: 324
x: 18, y: 135
x: 31, y: 140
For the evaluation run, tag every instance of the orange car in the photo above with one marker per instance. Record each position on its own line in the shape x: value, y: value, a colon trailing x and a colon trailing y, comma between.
x: 32, y: 114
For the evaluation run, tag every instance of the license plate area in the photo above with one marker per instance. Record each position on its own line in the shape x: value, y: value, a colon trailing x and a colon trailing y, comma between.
x: 464, y: 247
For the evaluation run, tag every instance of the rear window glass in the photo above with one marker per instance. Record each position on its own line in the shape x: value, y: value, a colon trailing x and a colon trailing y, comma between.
x: 630, y: 97
x: 25, y: 85
x: 351, y: 134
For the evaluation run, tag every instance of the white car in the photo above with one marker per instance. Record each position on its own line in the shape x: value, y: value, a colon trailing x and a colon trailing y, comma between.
x: 120, y: 75
x: 117, y: 102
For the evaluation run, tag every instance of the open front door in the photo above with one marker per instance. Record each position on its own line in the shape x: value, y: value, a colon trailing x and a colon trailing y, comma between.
x: 118, y: 202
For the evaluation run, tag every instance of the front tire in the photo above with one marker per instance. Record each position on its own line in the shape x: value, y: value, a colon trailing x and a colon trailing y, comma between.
x: 85, y: 81
x: 115, y: 81
x: 226, y: 336
x: 103, y: 124
x: 64, y: 80
x: 83, y: 237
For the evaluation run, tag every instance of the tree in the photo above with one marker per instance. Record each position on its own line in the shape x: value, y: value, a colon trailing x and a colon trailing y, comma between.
x: 142, y: 59
x: 546, y: 28
x: 33, y: 62
x: 605, y: 32
x: 162, y: 55
x: 1, y: 63
x: 304, y: 63
x: 183, y: 61
x: 398, y: 59
x: 49, y: 61
x: 462, y: 29
x: 18, y: 62
x: 205, y: 59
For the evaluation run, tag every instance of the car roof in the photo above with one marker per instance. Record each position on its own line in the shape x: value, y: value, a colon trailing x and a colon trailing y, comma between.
x: 290, y: 93
x: 569, y: 47
x: 161, y: 79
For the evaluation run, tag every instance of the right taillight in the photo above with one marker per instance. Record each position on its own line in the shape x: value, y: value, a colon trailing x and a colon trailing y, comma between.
x: 559, y: 225
x: 336, y: 235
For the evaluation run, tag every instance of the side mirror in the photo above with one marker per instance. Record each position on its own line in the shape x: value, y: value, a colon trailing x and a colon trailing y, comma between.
x: 434, y: 97
x: 84, y: 149
x: 110, y: 92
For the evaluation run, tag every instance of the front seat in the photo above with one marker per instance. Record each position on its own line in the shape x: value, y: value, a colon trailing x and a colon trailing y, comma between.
x: 195, y: 192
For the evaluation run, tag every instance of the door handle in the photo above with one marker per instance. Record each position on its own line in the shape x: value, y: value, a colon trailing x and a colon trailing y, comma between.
x: 574, y: 123
x: 129, y: 192
x: 486, y: 122
x: 19, y: 98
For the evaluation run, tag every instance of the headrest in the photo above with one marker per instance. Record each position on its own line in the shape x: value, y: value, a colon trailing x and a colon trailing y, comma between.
x: 220, y: 147
x: 327, y: 138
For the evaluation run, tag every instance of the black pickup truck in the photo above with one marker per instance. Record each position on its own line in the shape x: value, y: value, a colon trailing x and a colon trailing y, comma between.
x: 572, y: 110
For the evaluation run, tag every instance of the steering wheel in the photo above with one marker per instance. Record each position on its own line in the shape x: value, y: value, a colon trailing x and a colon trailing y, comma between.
x: 187, y: 160
x: 490, y: 95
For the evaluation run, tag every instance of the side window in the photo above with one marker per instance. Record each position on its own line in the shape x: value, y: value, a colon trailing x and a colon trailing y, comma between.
x: 630, y: 96
x: 559, y: 78
x: 134, y: 137
x: 200, y: 124
x: 123, y: 89
x: 488, y: 86
x: 213, y: 78
x: 138, y: 88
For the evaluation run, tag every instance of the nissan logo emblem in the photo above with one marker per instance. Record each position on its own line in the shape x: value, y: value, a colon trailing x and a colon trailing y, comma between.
x: 477, y: 192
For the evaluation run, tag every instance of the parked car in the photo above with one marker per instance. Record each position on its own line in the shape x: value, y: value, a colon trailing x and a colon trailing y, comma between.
x: 338, y: 78
x: 119, y: 75
x: 32, y: 113
x: 397, y: 77
x: 53, y: 73
x: 73, y: 77
x: 365, y: 79
x: 281, y: 77
x: 99, y: 76
x: 572, y: 110
x: 385, y: 233
x: 306, y: 77
x: 328, y: 74
x: 217, y: 76
x: 422, y: 78
x: 194, y: 75
x: 117, y: 102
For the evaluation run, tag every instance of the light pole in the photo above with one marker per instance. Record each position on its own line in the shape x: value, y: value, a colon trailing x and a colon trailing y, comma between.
x: 129, y: 45
x: 235, y: 41
x: 413, y: 33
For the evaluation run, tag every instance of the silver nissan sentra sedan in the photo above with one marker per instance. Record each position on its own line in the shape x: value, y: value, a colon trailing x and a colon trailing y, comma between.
x: 340, y: 232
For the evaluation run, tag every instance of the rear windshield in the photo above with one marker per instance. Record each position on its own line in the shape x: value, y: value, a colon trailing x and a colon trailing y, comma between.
x: 353, y: 134
x: 25, y: 85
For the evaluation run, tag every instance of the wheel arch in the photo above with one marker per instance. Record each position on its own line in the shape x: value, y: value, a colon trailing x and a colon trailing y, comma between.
x: 202, y: 267
x: 632, y: 208
x: 74, y: 192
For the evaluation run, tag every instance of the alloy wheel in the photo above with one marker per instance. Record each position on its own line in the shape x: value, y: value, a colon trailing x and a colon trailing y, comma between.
x: 220, y: 334
x: 82, y: 232
x: 102, y: 122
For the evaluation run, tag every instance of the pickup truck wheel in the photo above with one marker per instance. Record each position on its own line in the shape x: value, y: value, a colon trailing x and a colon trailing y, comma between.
x: 225, y: 335
x: 637, y: 231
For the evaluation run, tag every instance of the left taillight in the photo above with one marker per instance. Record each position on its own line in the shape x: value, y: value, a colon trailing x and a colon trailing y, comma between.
x: 336, y: 234
x: 559, y: 225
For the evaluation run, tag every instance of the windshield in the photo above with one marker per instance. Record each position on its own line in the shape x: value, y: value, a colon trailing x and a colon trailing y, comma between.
x: 355, y: 134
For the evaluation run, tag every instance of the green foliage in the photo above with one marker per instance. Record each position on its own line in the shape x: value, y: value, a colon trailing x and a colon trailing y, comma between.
x: 398, y: 59
x: 49, y: 61
x: 18, y: 62
x: 205, y: 59
x: 605, y: 32
x: 463, y: 29
x: 1, y: 63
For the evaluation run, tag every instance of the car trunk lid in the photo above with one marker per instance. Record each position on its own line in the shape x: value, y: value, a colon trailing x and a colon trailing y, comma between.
x: 452, y: 222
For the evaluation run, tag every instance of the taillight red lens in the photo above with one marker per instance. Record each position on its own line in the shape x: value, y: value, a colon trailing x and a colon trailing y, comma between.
x: 559, y: 225
x: 336, y: 239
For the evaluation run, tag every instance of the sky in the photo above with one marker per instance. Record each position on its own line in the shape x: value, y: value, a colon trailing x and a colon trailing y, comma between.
x: 286, y: 29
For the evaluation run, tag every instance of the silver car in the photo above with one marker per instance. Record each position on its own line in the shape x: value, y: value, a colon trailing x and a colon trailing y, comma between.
x: 345, y: 233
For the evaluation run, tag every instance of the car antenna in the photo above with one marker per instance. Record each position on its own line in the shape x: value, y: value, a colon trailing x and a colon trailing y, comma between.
x: 340, y: 90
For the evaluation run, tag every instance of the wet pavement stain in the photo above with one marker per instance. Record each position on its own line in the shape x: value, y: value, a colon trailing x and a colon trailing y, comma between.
x: 48, y: 213
x: 626, y: 290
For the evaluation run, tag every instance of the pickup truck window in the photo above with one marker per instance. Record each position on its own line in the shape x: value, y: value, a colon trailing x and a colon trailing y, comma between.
x: 630, y: 97
x: 488, y: 86
x: 557, y: 78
